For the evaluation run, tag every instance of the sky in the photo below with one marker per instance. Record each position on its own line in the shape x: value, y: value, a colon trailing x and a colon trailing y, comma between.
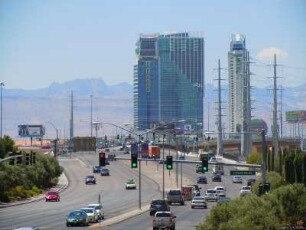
x: 47, y: 41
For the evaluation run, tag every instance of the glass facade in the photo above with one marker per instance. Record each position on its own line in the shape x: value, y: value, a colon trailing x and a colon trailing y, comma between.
x: 168, y: 79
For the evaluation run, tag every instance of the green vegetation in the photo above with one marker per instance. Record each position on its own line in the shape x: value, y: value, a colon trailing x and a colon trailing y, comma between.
x: 22, y: 181
x: 284, y: 206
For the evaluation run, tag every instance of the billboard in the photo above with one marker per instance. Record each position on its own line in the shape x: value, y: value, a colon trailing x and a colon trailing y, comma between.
x: 31, y: 130
x: 296, y: 116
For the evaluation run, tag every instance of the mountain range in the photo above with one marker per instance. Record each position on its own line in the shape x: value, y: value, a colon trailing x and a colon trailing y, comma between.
x: 114, y: 104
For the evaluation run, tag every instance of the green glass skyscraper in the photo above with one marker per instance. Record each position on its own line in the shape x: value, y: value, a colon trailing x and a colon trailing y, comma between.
x: 169, y: 80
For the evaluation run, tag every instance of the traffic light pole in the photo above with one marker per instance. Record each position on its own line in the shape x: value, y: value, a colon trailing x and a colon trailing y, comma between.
x: 163, y: 166
x: 263, y: 157
x: 139, y: 174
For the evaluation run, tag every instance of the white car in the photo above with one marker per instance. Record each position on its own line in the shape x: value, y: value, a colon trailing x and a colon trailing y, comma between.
x: 211, y: 195
x: 237, y: 179
x: 130, y: 184
x: 99, y: 210
x: 220, y: 189
x: 92, y: 214
x: 245, y: 190
x: 198, y: 201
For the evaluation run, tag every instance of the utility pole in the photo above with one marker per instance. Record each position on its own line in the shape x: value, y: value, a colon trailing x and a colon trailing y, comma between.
x: 91, y: 115
x: 219, y: 121
x: 71, y: 123
x: 275, y: 125
x: 246, y: 108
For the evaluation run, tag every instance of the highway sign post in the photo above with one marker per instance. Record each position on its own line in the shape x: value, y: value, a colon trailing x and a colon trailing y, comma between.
x: 242, y: 173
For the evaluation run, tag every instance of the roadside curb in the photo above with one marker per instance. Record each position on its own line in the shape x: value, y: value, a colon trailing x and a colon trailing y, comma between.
x: 62, y: 184
x: 122, y: 217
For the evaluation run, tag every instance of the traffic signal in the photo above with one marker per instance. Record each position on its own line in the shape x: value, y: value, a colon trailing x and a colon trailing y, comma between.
x: 204, y: 164
x: 134, y: 160
x: 27, y: 159
x: 33, y: 158
x: 169, y: 163
x: 19, y: 160
x: 102, y: 159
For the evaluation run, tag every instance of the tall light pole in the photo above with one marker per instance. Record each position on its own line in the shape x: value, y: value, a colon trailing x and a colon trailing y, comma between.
x: 91, y: 115
x: 1, y: 85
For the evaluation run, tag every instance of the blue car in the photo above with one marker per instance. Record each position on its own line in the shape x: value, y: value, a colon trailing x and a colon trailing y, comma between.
x: 96, y: 169
x: 77, y: 217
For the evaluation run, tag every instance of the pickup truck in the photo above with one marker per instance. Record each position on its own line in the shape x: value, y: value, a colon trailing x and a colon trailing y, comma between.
x: 175, y: 196
x: 164, y: 220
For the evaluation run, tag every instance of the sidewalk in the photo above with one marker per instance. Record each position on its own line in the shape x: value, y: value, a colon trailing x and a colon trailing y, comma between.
x: 61, y: 185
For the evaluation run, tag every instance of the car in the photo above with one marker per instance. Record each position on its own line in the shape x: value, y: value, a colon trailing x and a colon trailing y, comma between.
x: 164, y: 220
x: 181, y: 158
x: 52, y: 195
x: 130, y: 184
x: 105, y: 172
x: 198, y: 168
x: 158, y: 205
x: 111, y: 156
x: 223, y: 199
x: 77, y: 217
x: 96, y: 169
x: 220, y: 189
x: 195, y: 190
x: 90, y: 179
x: 99, y: 210
x: 213, y: 160
x: 211, y: 195
x: 92, y: 214
x: 198, y: 202
x: 202, y: 180
x: 251, y: 181
x: 216, y: 178
x: 245, y: 190
x: 175, y: 196
x: 237, y: 179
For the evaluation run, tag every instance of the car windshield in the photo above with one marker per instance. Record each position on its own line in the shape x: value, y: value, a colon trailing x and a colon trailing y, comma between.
x: 52, y: 193
x: 75, y: 214
x: 211, y: 191
x: 130, y: 182
x: 88, y: 210
x: 174, y: 192
x: 163, y: 214
x: 198, y: 198
x: 158, y: 202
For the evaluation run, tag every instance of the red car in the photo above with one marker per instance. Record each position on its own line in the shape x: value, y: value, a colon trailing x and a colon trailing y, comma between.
x: 52, y: 195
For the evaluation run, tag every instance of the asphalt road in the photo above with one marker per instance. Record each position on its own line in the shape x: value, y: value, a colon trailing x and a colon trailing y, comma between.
x: 114, y: 197
x: 187, y: 218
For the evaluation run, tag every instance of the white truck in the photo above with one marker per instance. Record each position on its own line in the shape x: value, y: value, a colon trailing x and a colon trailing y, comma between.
x: 218, y: 168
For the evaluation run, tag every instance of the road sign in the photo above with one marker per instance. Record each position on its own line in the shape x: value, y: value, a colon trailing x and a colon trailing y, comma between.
x: 242, y: 173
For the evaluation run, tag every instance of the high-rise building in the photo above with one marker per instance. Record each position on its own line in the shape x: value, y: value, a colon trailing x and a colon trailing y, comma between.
x: 169, y: 80
x: 239, y: 99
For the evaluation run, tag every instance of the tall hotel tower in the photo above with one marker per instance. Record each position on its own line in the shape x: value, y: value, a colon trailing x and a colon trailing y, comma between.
x: 239, y: 99
x: 168, y: 80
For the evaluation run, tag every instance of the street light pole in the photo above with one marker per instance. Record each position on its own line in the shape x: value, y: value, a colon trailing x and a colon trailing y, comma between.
x: 163, y: 166
x: 139, y: 174
x: 91, y: 115
x: 1, y: 85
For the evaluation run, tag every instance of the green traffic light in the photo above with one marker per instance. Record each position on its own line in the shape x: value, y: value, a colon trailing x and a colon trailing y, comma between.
x: 134, y: 165
x: 169, y: 167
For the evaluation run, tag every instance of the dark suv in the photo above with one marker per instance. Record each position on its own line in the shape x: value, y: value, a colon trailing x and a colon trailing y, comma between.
x: 158, y: 205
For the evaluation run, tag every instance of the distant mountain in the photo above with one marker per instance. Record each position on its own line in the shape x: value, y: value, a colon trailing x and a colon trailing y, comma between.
x: 114, y: 104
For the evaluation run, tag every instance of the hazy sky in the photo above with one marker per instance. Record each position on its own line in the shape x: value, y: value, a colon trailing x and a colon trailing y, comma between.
x: 46, y: 41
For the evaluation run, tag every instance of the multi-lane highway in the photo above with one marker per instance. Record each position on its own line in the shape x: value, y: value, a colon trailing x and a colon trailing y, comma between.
x: 187, y: 218
x: 115, y: 199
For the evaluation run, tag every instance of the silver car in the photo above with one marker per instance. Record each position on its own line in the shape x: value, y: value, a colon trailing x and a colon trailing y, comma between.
x: 99, y: 210
x: 92, y: 214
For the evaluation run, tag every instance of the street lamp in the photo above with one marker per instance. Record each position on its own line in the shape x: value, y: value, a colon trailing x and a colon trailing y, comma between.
x: 55, y: 141
x: 1, y: 85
